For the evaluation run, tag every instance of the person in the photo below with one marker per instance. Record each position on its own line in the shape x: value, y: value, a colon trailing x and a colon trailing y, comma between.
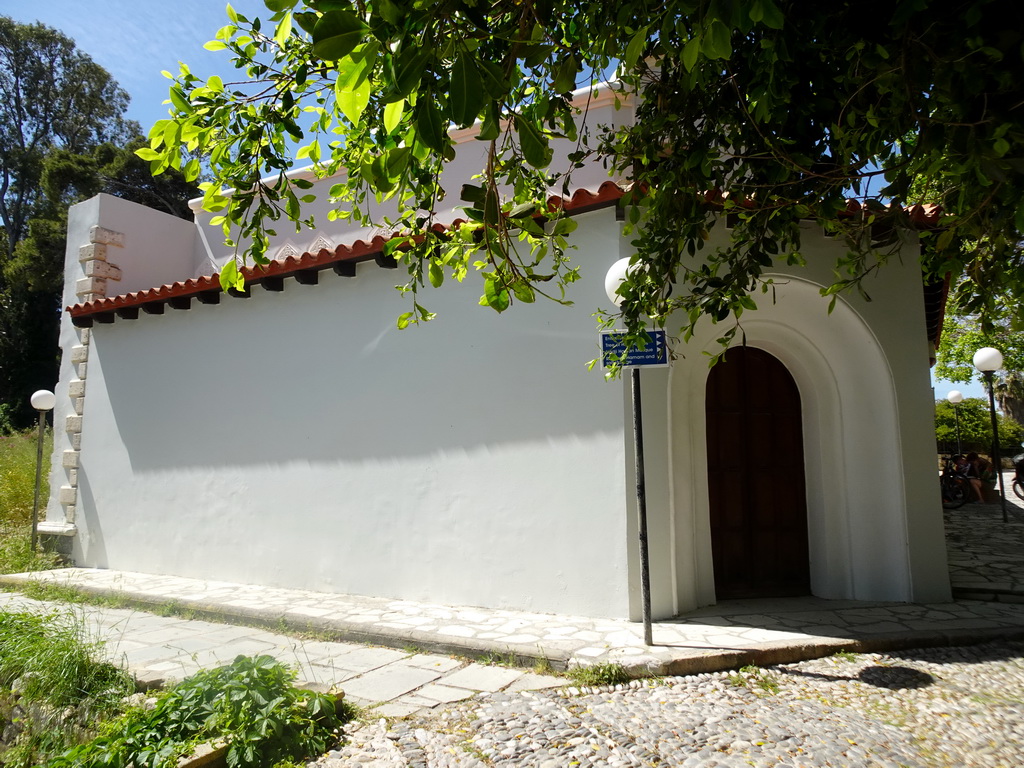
x: 979, y: 473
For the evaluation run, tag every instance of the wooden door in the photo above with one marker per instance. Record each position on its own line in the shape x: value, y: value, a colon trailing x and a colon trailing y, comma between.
x: 757, y: 498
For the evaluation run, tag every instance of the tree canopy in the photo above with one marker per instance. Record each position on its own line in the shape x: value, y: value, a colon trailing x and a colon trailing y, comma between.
x: 63, y: 138
x: 975, y: 424
x: 760, y: 112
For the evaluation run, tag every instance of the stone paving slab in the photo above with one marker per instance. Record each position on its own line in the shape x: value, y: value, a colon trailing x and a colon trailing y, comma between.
x: 160, y: 650
x: 986, y: 558
x: 731, y: 635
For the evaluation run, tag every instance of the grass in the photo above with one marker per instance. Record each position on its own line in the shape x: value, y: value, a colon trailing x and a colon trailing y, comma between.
x: 754, y: 677
x: 49, y: 665
x: 17, y: 494
x: 73, y: 709
x: 599, y: 674
x: 18, y: 475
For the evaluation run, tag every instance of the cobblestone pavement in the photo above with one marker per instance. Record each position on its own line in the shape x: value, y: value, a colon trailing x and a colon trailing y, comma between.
x: 934, y: 708
x: 931, y: 708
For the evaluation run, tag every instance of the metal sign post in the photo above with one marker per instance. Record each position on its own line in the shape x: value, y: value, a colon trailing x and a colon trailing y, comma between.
x: 641, y: 505
x: 655, y: 354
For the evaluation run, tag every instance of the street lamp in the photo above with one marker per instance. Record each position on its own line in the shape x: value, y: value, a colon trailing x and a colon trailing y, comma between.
x: 988, y: 360
x: 42, y: 400
x: 956, y: 397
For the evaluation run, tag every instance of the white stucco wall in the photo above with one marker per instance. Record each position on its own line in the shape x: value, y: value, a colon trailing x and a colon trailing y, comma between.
x: 874, y: 518
x: 299, y: 439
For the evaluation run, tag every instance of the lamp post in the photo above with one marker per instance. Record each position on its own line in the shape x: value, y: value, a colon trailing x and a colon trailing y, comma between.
x: 988, y: 360
x: 42, y: 400
x: 956, y: 397
x: 613, y: 279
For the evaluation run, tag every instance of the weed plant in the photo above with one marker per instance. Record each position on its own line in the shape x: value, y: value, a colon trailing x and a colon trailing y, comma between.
x: 250, y: 704
x: 50, y: 668
x: 599, y: 674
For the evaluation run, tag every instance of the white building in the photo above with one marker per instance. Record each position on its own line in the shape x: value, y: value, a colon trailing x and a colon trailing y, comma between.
x: 297, y: 438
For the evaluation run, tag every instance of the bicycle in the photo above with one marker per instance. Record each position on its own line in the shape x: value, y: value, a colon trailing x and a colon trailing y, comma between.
x: 955, y: 488
x: 1018, y: 476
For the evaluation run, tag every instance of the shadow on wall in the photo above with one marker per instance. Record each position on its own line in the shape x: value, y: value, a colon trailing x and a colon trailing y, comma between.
x: 311, y: 375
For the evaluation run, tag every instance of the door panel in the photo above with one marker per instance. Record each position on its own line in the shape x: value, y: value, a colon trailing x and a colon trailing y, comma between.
x: 756, y: 478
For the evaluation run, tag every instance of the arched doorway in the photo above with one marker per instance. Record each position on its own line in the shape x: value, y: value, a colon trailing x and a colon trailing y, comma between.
x: 757, y: 499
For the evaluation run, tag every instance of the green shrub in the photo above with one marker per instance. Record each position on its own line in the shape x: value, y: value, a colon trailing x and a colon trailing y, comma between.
x: 251, y: 704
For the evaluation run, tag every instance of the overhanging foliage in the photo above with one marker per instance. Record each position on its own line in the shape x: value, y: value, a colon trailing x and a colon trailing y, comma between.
x: 785, y: 108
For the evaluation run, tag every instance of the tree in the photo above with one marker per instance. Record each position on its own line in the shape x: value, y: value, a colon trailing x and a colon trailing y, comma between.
x: 764, y: 113
x: 63, y: 138
x: 963, y: 335
x: 51, y: 95
x: 975, y: 427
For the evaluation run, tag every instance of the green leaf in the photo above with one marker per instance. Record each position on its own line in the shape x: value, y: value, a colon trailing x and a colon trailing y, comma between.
x: 495, y: 294
x: 407, y: 70
x: 534, y: 144
x: 565, y: 76
x: 491, y: 127
x: 179, y: 101
x: 353, y: 103
x: 307, y: 21
x: 472, y: 193
x: 393, y: 115
x: 355, y: 68
x: 691, y: 51
x: 524, y: 291
x: 279, y: 5
x: 717, y: 41
x: 231, y: 276
x: 391, y: 12
x: 772, y: 15
x: 284, y: 29
x: 215, y: 45
x: 337, y: 34
x: 493, y: 79
x: 635, y: 48
x: 396, y: 161
x: 429, y: 129
x: 564, y: 226
x: 436, y: 275
x: 466, y: 94
x: 522, y: 210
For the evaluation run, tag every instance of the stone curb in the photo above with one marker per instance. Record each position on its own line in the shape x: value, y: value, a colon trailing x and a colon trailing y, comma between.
x: 768, y: 654
x: 650, y: 664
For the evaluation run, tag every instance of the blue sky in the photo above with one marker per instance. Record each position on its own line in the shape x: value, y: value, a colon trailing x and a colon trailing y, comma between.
x: 135, y: 39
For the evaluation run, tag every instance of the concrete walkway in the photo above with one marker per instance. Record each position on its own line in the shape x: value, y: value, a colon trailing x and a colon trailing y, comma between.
x: 424, y: 659
x: 986, y: 555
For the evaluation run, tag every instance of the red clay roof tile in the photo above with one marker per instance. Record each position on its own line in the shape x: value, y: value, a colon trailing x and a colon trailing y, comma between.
x: 581, y: 201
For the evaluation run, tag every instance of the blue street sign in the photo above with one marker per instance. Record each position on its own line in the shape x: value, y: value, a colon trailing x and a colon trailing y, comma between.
x: 613, y: 348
